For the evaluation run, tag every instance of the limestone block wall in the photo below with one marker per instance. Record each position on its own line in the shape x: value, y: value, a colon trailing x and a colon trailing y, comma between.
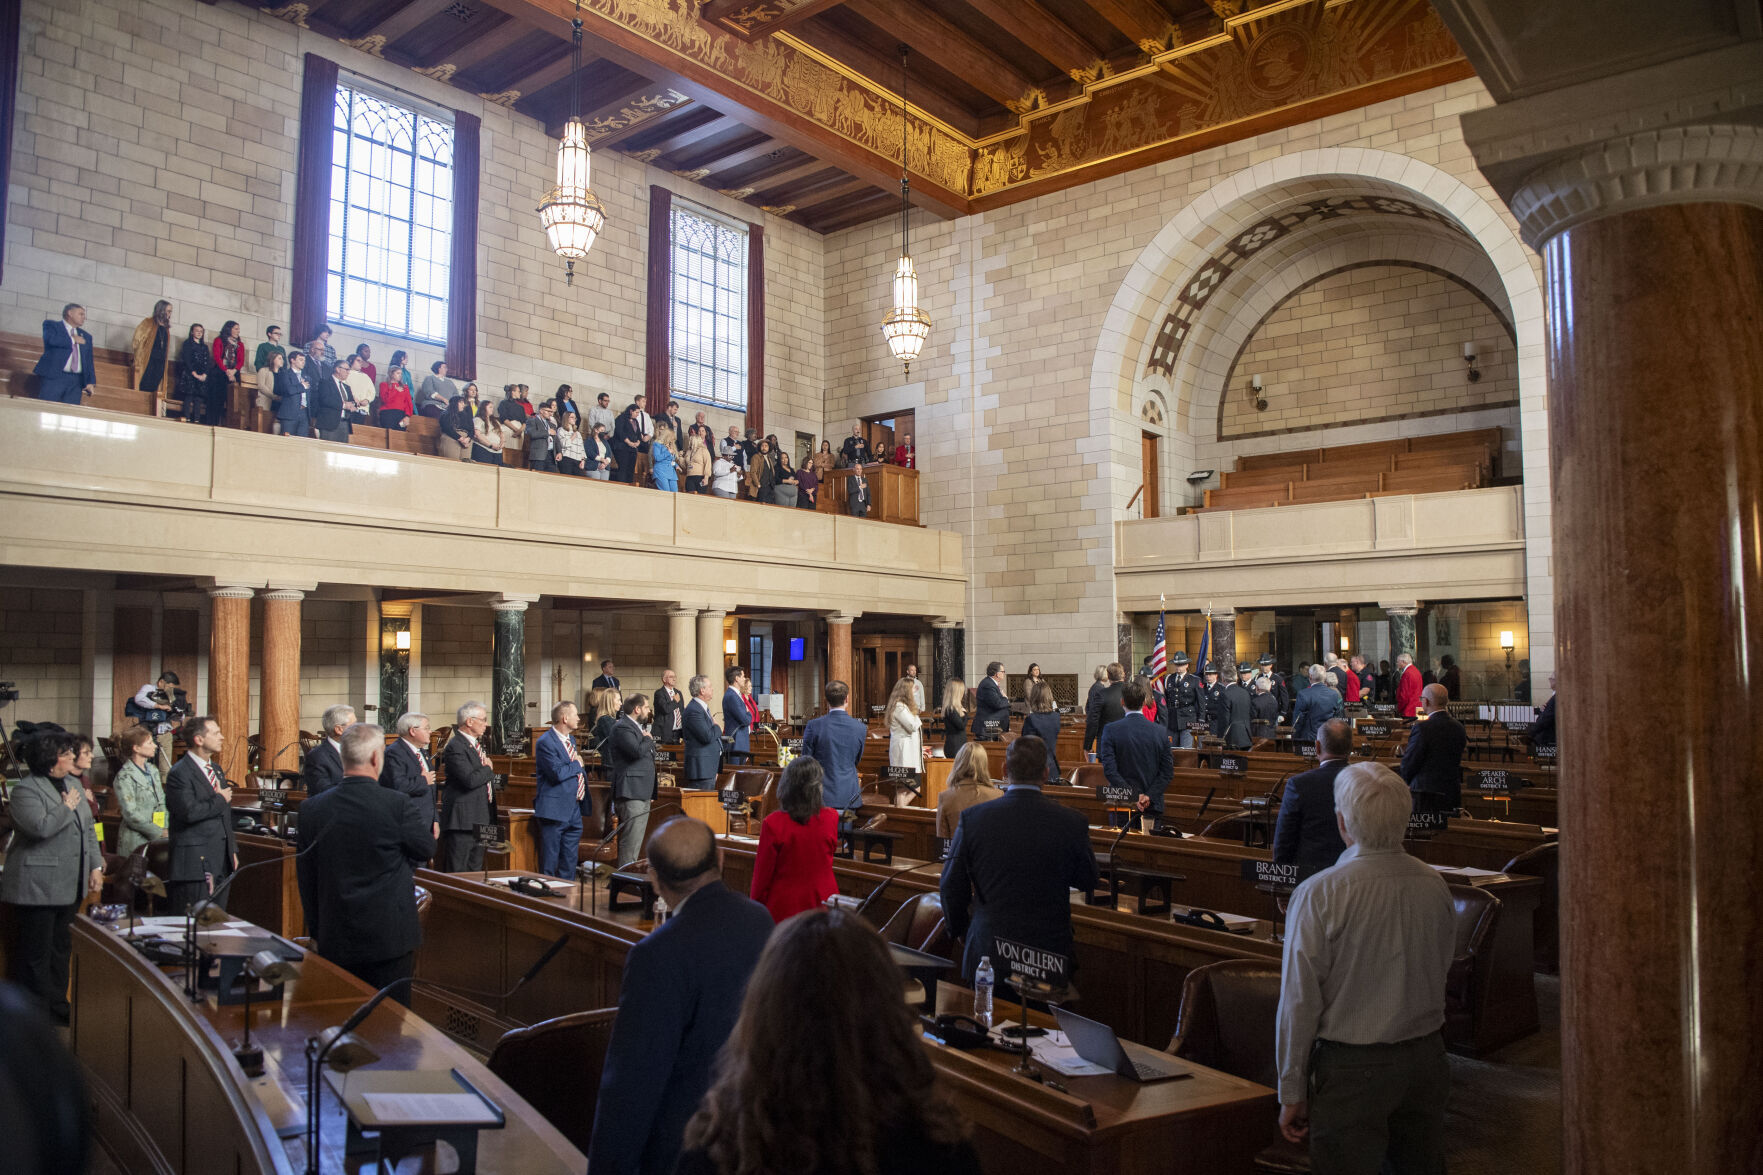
x: 40, y: 653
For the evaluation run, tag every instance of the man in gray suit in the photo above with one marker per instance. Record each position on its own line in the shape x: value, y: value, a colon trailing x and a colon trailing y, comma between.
x: 541, y: 439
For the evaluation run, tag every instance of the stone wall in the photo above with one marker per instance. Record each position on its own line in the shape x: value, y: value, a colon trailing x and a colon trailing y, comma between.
x: 41, y: 629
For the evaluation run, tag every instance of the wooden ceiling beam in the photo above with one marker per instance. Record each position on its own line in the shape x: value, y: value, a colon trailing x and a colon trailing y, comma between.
x: 471, y: 48
x: 613, y: 106
x: 792, y: 178
x: 672, y: 132
x: 544, y: 76
x: 730, y: 160
x: 743, y: 146
x: 826, y: 195
x: 869, y: 61
x: 1140, y: 20
x: 855, y: 213
x: 1041, y: 31
x: 404, y: 21
x: 931, y: 36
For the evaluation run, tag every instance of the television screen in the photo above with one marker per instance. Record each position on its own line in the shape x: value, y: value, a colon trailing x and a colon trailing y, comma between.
x: 795, y: 648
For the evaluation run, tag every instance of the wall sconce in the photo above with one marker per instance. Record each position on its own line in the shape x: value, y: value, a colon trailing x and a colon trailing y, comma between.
x: 1198, y: 476
x: 1507, y: 643
x: 1469, y: 355
x: 1344, y: 642
x: 730, y: 646
x: 1257, y: 386
x: 403, y: 641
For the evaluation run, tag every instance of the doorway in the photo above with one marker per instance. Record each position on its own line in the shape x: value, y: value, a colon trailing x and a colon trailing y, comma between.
x: 1151, y: 469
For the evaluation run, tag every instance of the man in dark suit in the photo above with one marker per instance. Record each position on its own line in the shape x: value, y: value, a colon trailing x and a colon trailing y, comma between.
x: 359, y: 846
x: 629, y: 755
x: 66, y: 372
x: 1542, y: 730
x: 1013, y: 863
x: 557, y: 797
x: 323, y: 768
x: 293, y: 395
x: 1432, y: 764
x: 669, y: 707
x: 1313, y: 707
x: 606, y: 680
x: 736, y: 718
x: 466, y: 791
x: 855, y: 450
x: 1307, y: 834
x: 991, y: 704
x: 835, y: 741
x: 326, y: 404
x: 541, y: 439
x: 1135, y: 752
x: 1181, y: 693
x: 677, y: 1004
x: 1239, y: 704
x: 703, y: 741
x: 857, y: 495
x: 198, y: 803
x: 1105, y: 708
x: 407, y: 768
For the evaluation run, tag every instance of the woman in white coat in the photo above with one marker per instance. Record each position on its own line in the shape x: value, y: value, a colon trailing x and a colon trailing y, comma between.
x: 905, y: 731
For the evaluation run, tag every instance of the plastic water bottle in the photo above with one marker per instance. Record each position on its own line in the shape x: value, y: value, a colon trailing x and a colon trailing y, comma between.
x: 661, y: 911
x: 982, y: 992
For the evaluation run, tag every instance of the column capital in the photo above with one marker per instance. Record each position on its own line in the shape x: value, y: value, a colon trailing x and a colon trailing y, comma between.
x: 712, y: 613
x: 509, y: 602
x: 944, y: 622
x: 841, y: 617
x: 683, y: 610
x: 293, y: 594
x: 232, y: 591
x: 1401, y: 607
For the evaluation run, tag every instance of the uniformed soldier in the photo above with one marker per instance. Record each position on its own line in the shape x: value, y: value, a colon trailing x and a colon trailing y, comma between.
x: 1181, y: 692
x: 1212, y: 707
x: 1282, y: 693
x: 1238, y: 702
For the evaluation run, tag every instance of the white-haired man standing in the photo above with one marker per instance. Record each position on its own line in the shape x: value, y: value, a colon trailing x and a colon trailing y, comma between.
x: 466, y: 791
x: 1360, y: 1046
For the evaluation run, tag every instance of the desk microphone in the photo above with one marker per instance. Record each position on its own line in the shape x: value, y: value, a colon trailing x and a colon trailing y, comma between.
x: 192, y: 984
x: 593, y: 867
x: 863, y: 906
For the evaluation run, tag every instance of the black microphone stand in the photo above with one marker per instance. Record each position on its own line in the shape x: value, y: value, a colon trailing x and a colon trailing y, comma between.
x: 192, y: 984
x: 876, y: 893
x: 593, y: 867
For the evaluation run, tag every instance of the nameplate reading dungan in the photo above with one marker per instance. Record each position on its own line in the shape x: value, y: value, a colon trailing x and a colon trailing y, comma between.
x: 1033, y: 963
x: 1111, y: 796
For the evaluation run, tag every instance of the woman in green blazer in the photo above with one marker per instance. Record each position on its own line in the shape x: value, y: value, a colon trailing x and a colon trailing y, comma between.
x: 140, y: 793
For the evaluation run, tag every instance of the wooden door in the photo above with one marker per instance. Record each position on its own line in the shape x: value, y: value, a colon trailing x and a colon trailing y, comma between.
x: 1151, y: 470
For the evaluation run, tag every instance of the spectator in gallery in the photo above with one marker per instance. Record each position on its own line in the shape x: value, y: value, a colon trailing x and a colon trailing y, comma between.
x: 570, y: 450
x: 66, y: 371
x: 825, y: 460
x: 601, y: 413
x: 199, y: 372
x: 724, y: 476
x: 486, y: 437
x: 271, y: 345
x: 732, y: 448
x: 436, y: 391
x: 152, y: 347
x: 329, y: 404
x: 472, y: 397
x: 365, y: 354
x: 454, y: 443
x: 266, y: 377
x: 293, y: 388
x: 564, y: 402
x: 597, y: 453
x: 395, y: 402
x: 362, y: 392
x: 857, y: 495
x: 402, y: 359
x: 697, y: 462
x: 671, y: 419
x: 320, y: 349
x: 904, y: 454
x: 664, y: 459
x: 855, y: 450
x: 229, y: 352
x: 762, y: 473
x: 540, y: 433
x: 628, y: 439
x: 808, y: 486
x: 785, y: 491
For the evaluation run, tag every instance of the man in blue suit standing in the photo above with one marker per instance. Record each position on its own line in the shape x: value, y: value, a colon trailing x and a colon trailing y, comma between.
x: 1313, y: 707
x: 66, y: 371
x: 557, y: 799
x: 835, y: 741
x: 703, y: 742
x: 1135, y: 752
x: 1307, y: 834
x: 736, y: 718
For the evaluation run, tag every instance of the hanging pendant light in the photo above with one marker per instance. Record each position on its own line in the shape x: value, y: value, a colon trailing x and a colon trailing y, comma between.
x: 906, y: 326
x: 572, y: 215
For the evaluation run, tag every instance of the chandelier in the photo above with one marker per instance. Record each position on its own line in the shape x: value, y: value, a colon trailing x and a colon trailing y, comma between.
x: 906, y: 326
x: 572, y: 215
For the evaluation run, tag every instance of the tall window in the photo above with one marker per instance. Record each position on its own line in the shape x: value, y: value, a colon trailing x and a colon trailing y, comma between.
x: 708, y: 337
x: 391, y: 222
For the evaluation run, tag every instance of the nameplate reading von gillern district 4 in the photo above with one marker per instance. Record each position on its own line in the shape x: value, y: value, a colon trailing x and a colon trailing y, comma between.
x: 1019, y: 959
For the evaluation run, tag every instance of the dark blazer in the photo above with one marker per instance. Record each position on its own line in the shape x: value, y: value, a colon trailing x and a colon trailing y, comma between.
x: 558, y: 778
x: 604, y: 682
x: 200, y: 823
x: 736, y: 719
x: 1046, y: 728
x: 835, y: 741
x: 326, y: 404
x: 1182, y: 695
x: 323, y: 768
x: 1238, y: 707
x: 1542, y: 731
x: 703, y: 741
x: 954, y: 733
x: 1433, y: 760
x: 990, y: 705
x: 630, y: 761
x: 678, y: 1002
x: 1010, y: 872
x: 1263, y: 715
x: 1212, y: 699
x: 464, y: 805
x: 359, y: 845
x: 403, y: 774
x: 1105, y: 707
x: 57, y: 347
x: 666, y: 706
x: 1306, y: 834
x: 1313, y: 707
x: 1136, y: 754
x: 292, y: 397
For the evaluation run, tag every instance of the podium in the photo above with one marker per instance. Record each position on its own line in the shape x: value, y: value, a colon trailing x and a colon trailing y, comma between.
x: 893, y: 493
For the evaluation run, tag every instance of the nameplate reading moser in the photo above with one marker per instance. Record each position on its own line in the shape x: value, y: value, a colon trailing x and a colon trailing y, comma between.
x: 1110, y: 796
x: 1279, y: 877
x: 1426, y: 825
x: 488, y: 835
x: 1232, y: 765
x: 1026, y: 962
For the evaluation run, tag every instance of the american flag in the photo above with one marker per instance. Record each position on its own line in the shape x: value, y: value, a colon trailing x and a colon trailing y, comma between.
x: 1159, y: 653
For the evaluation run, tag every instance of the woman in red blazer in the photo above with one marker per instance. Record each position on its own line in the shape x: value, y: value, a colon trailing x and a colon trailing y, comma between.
x: 794, y: 869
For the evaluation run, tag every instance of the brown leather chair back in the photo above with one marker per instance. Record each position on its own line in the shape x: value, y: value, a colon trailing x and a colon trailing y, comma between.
x: 555, y: 1065
x: 1227, y: 1016
x: 918, y: 924
x: 751, y: 781
x: 424, y: 899
x: 595, y: 819
x: 159, y: 864
x: 1086, y: 775
x: 1544, y: 861
x: 1466, y: 983
x: 768, y: 796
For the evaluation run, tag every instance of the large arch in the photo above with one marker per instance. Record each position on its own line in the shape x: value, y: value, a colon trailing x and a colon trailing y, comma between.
x: 1176, y: 255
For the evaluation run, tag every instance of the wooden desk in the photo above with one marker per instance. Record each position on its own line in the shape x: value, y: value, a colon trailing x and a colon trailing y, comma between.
x: 270, y: 896
x: 936, y: 778
x: 484, y: 937
x: 168, y: 1095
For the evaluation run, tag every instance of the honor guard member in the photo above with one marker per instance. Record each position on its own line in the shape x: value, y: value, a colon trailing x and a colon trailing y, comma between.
x: 1214, y: 712
x: 1182, y: 693
x: 1239, y: 698
x: 1282, y: 693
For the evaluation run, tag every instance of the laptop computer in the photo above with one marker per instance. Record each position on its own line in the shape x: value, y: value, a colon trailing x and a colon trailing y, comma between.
x: 1096, y: 1043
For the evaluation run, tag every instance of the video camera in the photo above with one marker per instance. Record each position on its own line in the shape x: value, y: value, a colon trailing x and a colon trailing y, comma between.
x: 8, y: 692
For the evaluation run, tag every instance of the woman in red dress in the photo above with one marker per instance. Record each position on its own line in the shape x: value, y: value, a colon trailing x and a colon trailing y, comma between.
x: 794, y: 868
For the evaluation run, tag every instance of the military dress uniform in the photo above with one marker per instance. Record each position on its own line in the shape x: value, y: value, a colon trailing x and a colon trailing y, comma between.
x: 1214, y: 711
x: 1183, y: 696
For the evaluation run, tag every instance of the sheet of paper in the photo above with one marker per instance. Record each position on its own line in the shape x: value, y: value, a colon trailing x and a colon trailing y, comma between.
x: 1056, y: 1053
x: 427, y: 1107
x: 1466, y: 871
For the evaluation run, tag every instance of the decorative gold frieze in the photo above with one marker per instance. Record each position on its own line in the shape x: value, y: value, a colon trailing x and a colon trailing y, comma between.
x: 737, y: 193
x: 778, y: 209
x: 294, y: 14
x: 374, y: 45
x: 638, y: 110
x: 502, y: 97
x: 648, y: 156
x: 440, y: 73
x: 696, y: 174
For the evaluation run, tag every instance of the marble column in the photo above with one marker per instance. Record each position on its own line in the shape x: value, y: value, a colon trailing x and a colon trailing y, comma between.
x: 1224, y: 644
x: 396, y: 641
x: 279, y: 695
x: 1404, y: 630
x: 229, y: 672
x: 949, y: 638
x: 709, y: 646
x: 682, y: 643
x: 838, y: 646
x: 1656, y: 445
x: 1122, y: 643
x: 508, y: 676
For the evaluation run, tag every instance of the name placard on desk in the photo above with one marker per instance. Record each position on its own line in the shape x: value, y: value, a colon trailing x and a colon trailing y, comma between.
x: 1543, y: 754
x: 1386, y: 709
x: 1516, y: 727
x: 1111, y: 796
x: 1497, y: 781
x: 664, y: 758
x: 1279, y: 878
x: 1426, y: 825
x: 489, y: 836
x: 904, y: 776
x: 1233, y: 765
x: 272, y: 795
x: 1374, y: 729
x: 793, y: 746
x: 498, y: 782
x: 1033, y: 963
x: 1308, y: 750
x: 990, y: 729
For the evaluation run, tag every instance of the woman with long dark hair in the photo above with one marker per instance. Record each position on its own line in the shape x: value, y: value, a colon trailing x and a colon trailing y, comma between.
x: 229, y: 356
x: 793, y: 870
x: 198, y: 374
x: 823, y: 1074
x: 486, y: 438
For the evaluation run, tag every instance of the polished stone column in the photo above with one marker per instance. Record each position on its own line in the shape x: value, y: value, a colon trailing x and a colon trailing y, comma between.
x: 949, y: 638
x: 1224, y: 645
x: 682, y: 643
x: 710, y: 654
x: 229, y: 673
x: 508, y: 676
x: 1404, y: 630
x: 838, y: 646
x: 1122, y: 643
x: 279, y: 699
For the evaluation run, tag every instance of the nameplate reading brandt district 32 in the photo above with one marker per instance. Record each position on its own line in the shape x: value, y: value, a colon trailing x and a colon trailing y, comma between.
x: 1282, y: 878
x: 1026, y: 962
x: 1110, y: 796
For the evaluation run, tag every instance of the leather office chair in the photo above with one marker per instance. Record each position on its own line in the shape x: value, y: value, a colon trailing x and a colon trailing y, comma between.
x: 918, y: 924
x: 1466, y: 983
x: 1544, y: 861
x: 555, y: 1065
x: 424, y: 899
x: 768, y: 796
x: 158, y: 864
x: 1226, y: 1022
x: 1088, y: 775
